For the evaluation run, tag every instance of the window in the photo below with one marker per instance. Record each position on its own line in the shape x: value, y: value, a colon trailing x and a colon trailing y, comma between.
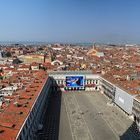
x: 96, y: 81
x: 20, y: 137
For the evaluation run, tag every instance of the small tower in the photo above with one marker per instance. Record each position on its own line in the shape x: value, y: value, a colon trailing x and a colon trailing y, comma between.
x: 94, y: 46
x: 1, y: 54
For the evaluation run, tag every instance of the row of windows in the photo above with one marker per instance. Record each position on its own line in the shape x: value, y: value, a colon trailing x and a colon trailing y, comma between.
x: 136, y: 108
x: 36, y: 113
x: 86, y: 82
x: 91, y: 81
x: 107, y: 84
x: 108, y: 89
x: 136, y: 104
x: 109, y: 94
x: 136, y: 111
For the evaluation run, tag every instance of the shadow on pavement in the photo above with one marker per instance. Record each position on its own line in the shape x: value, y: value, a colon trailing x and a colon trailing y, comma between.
x: 51, y: 119
x: 131, y: 132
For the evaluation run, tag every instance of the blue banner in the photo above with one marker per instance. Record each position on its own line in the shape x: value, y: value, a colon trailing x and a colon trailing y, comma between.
x: 74, y: 81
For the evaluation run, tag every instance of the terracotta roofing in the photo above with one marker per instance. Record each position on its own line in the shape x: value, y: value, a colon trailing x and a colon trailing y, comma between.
x: 128, y: 86
x: 12, y: 118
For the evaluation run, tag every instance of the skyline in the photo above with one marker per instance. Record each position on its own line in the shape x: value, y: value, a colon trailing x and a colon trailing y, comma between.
x: 75, y: 21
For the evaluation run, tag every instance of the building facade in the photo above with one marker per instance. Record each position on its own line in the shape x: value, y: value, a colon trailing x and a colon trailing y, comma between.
x: 34, y: 119
x: 33, y: 58
x: 124, y: 100
x: 136, y: 112
x: 91, y: 81
x: 107, y: 88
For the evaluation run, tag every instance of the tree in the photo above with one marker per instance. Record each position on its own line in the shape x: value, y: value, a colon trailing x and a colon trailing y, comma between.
x: 8, y: 54
x: 16, y: 61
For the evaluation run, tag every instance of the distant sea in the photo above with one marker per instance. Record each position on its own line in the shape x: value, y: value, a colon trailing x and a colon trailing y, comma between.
x: 22, y: 42
x: 72, y: 43
x: 41, y: 43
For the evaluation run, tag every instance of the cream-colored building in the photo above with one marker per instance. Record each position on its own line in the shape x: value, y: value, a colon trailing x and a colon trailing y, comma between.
x: 34, y: 58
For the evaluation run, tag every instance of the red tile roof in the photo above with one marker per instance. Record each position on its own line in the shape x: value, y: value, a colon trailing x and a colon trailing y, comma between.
x: 12, y: 118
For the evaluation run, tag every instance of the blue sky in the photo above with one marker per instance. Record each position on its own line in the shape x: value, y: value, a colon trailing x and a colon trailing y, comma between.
x: 105, y: 21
